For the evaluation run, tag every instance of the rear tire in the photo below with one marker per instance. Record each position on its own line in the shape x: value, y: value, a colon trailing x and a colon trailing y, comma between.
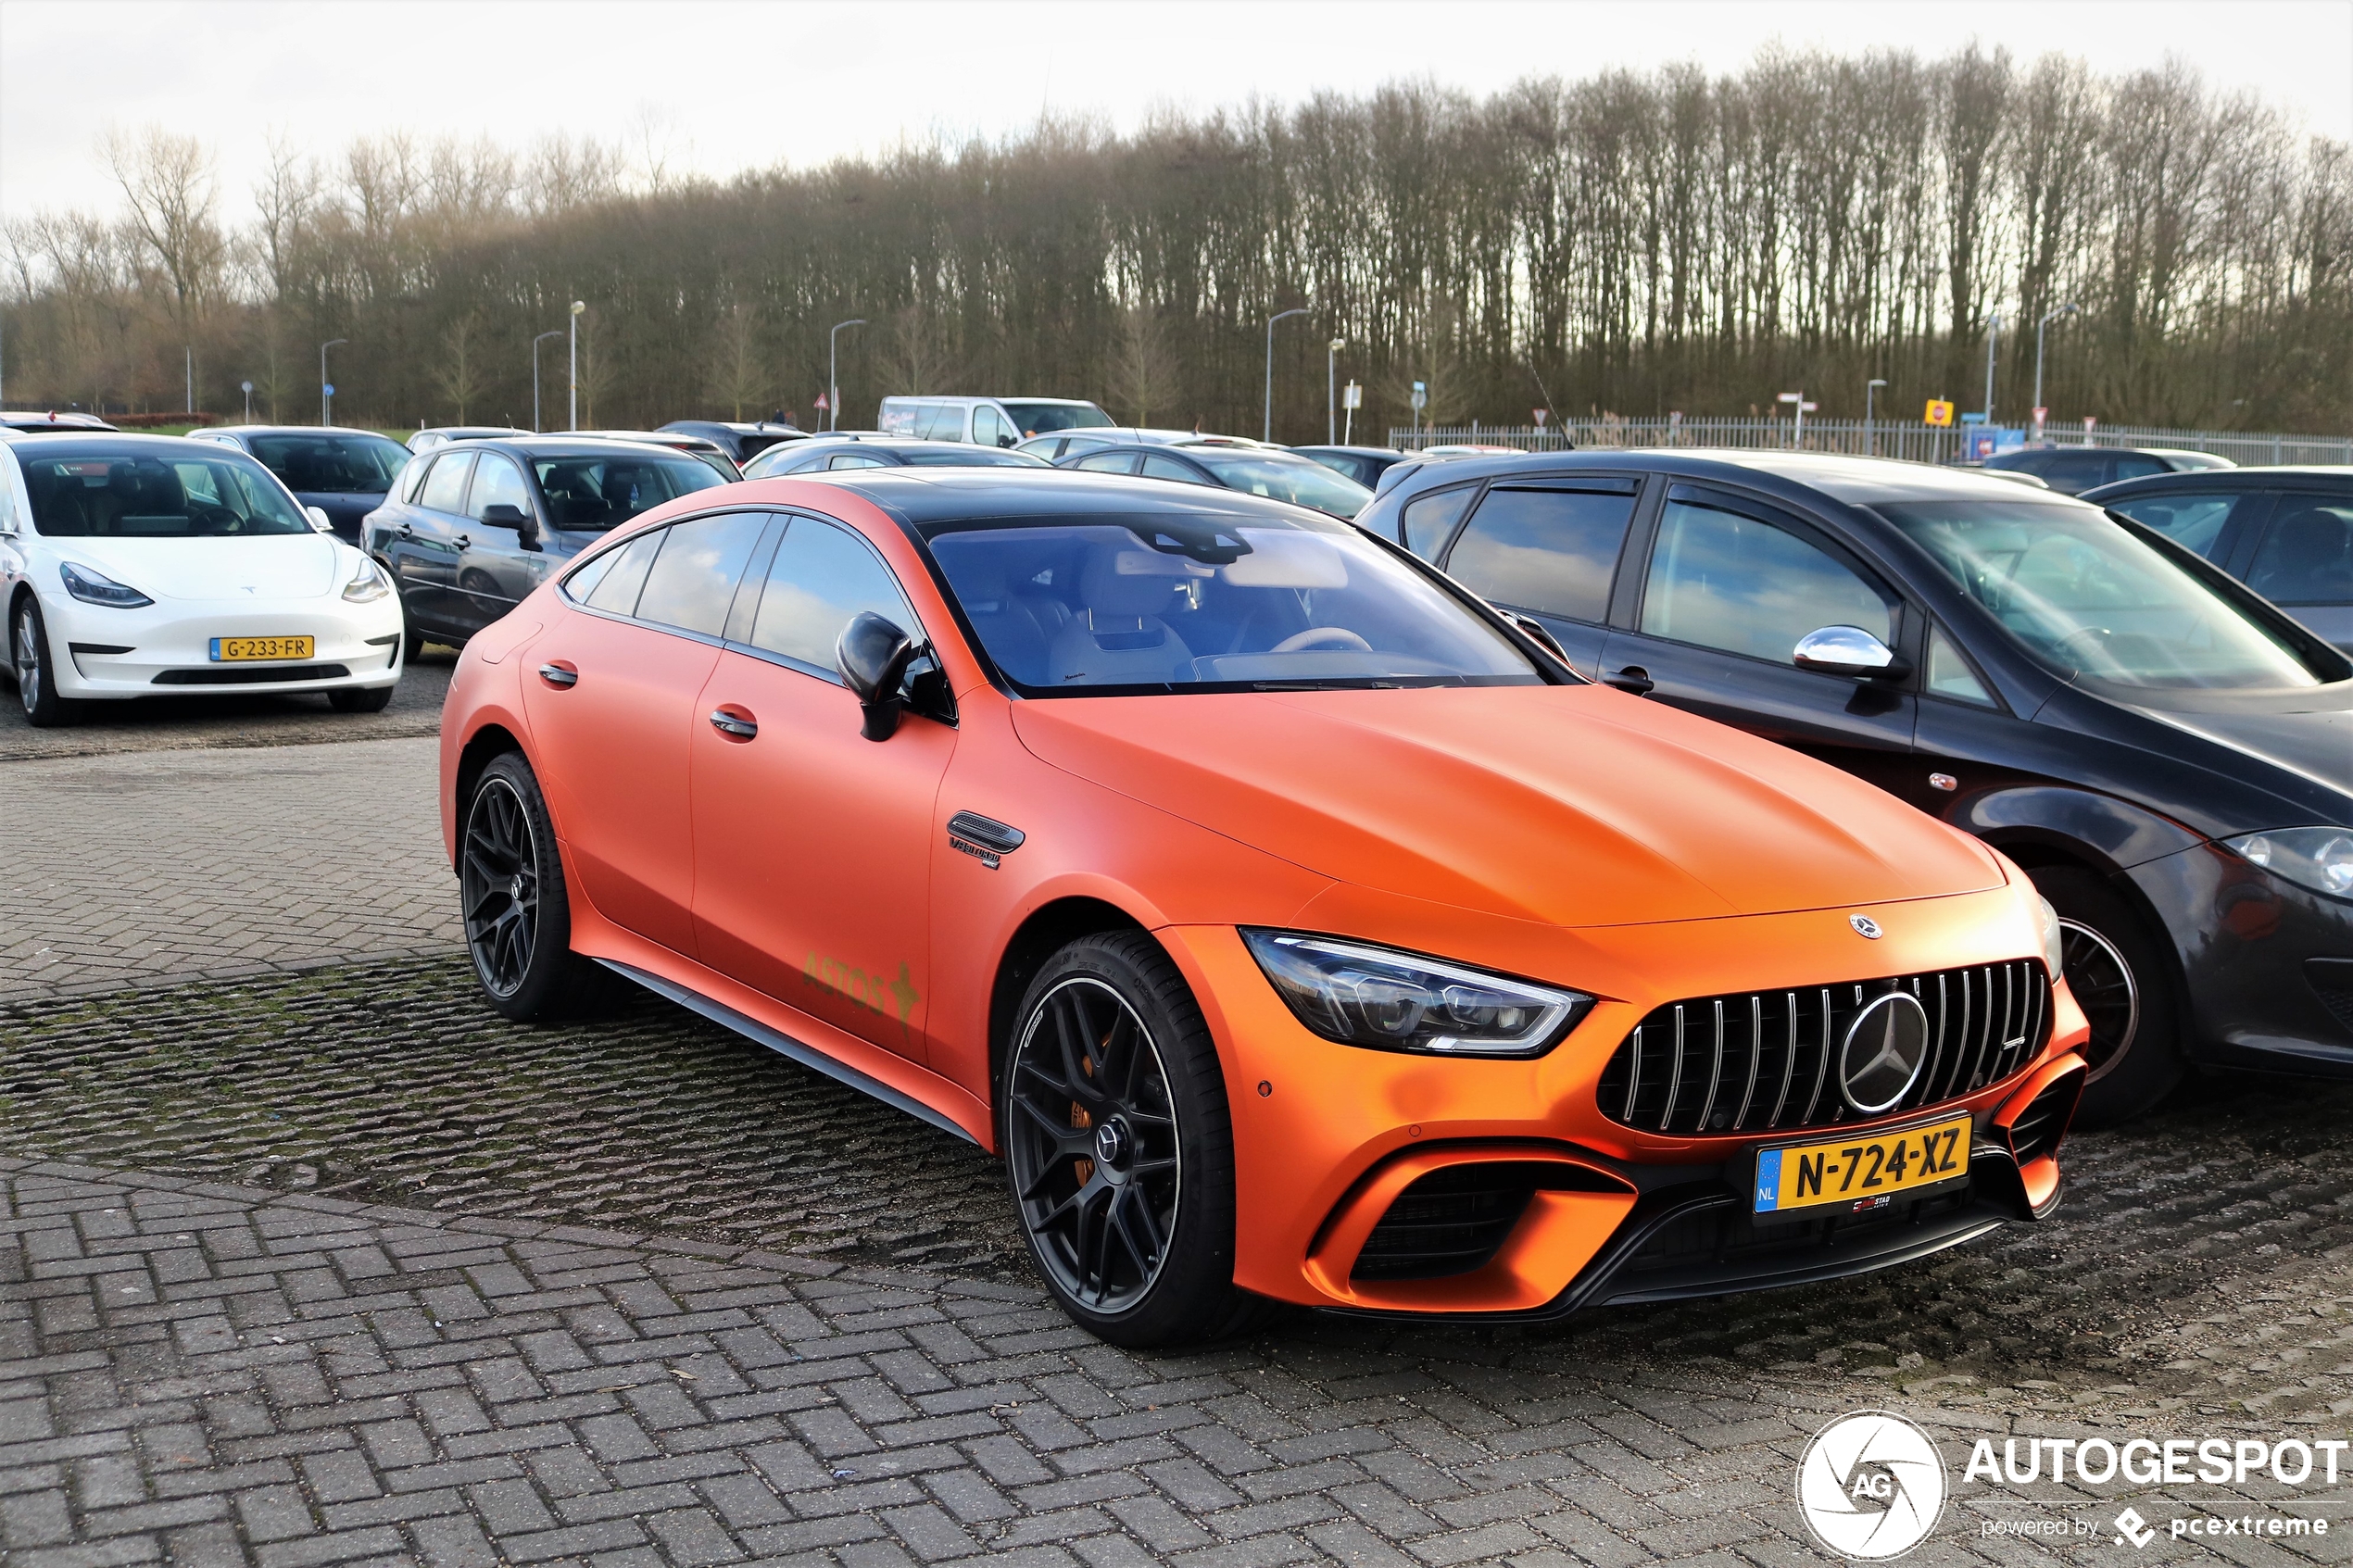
x: 516, y: 909
x: 413, y: 642
x: 2118, y: 976
x: 1119, y: 1148
x: 360, y: 700
x: 30, y: 658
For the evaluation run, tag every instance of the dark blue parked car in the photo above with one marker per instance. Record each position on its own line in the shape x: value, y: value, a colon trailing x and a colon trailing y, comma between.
x: 474, y: 526
x: 344, y: 473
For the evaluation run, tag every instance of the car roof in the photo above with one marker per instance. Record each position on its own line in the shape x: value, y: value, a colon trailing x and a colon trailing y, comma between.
x: 32, y: 420
x: 739, y: 427
x: 1860, y: 480
x: 576, y: 446
x: 1353, y: 451
x: 923, y: 497
x: 293, y: 429
x: 136, y: 439
x: 2282, y: 476
x: 987, y: 397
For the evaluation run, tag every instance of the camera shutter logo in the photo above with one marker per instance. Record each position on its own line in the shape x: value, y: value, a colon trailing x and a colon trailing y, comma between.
x: 1871, y: 1486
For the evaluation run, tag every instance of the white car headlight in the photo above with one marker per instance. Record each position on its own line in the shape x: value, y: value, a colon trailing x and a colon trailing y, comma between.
x: 2054, y: 948
x: 367, y: 584
x: 2319, y: 858
x: 1384, y: 999
x: 93, y: 587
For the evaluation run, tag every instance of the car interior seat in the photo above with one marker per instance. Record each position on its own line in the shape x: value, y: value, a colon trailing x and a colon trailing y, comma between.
x: 2309, y: 558
x: 1119, y: 635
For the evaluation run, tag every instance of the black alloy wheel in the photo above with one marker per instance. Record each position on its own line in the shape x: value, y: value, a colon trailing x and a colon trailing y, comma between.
x: 29, y: 661
x: 2116, y: 972
x: 1119, y: 1148
x: 516, y: 908
x: 2106, y: 992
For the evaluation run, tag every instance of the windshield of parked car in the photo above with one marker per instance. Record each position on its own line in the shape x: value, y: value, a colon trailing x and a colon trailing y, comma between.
x: 332, y: 465
x: 1184, y: 601
x: 1283, y: 478
x: 592, y: 495
x: 960, y: 455
x: 1038, y: 419
x: 2090, y: 600
x: 98, y: 490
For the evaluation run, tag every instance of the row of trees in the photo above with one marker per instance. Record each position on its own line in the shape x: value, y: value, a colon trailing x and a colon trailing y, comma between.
x: 1626, y: 243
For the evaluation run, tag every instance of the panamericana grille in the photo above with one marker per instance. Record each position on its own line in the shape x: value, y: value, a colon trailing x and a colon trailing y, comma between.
x: 1762, y: 1060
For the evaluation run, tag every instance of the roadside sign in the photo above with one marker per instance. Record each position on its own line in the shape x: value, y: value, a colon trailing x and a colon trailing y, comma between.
x: 2088, y: 423
x: 2041, y: 414
x: 329, y: 389
x: 1540, y: 417
x: 244, y: 386
x: 1974, y: 418
x: 1940, y: 412
x: 1421, y: 396
x: 1351, y: 397
x: 821, y: 401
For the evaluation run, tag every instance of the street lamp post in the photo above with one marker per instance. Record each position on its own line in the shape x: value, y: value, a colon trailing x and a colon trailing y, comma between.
x: 1870, y: 446
x: 1331, y: 388
x: 1268, y: 433
x: 577, y: 306
x: 2067, y: 310
x: 326, y: 388
x: 559, y: 331
x: 1992, y: 336
x: 833, y: 373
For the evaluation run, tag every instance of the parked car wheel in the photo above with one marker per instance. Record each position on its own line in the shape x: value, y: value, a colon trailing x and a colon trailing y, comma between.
x: 2118, y: 975
x: 360, y: 700
x: 29, y: 656
x: 1119, y: 1148
x: 518, y: 917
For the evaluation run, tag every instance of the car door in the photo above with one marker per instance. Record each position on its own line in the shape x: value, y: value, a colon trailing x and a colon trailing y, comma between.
x: 2302, y: 560
x: 1729, y: 586
x: 498, y: 564
x: 1549, y: 548
x: 814, y: 843
x: 423, y: 546
x: 611, y: 698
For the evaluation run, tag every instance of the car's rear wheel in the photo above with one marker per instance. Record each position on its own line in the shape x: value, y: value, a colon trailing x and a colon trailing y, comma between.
x: 517, y: 910
x: 2116, y: 974
x: 360, y: 700
x: 1119, y: 1146
x: 29, y: 649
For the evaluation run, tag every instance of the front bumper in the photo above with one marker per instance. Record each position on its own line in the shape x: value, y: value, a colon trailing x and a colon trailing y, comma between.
x: 164, y: 649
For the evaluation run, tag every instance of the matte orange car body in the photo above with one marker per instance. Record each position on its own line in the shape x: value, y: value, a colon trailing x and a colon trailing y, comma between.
x: 1567, y: 834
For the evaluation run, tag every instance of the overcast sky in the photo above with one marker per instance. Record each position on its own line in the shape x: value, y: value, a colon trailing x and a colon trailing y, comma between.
x: 734, y: 85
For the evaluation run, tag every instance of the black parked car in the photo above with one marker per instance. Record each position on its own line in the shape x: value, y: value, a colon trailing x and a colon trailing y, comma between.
x: 2286, y: 532
x: 2073, y: 470
x: 1252, y: 470
x: 476, y: 525
x: 344, y: 473
x: 832, y: 453
x: 1363, y: 464
x: 2168, y: 755
x: 741, y: 440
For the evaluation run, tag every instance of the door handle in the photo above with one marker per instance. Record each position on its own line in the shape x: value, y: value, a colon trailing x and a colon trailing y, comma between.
x: 464, y: 541
x: 406, y: 531
x: 1634, y: 678
x: 737, y: 727
x: 560, y: 675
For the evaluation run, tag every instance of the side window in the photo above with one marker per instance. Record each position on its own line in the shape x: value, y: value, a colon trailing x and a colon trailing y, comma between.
x: 986, y: 431
x: 1107, y: 462
x: 1158, y: 467
x: 2307, y: 556
x: 2132, y: 467
x: 856, y: 460
x: 940, y: 421
x: 1428, y: 520
x: 823, y: 576
x: 1949, y: 674
x: 617, y: 590
x: 497, y: 483
x: 1725, y: 581
x: 444, y: 488
x: 1549, y: 551
x: 2193, y: 522
x: 694, y: 578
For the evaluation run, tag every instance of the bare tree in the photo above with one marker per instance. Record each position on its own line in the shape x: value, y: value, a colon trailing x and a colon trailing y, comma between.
x: 739, y: 375
x: 1144, y: 369
x: 167, y: 184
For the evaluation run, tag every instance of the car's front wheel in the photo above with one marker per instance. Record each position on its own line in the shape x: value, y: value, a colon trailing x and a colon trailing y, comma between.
x: 29, y: 649
x: 1119, y: 1146
x: 360, y: 700
x: 2116, y: 974
x: 517, y: 909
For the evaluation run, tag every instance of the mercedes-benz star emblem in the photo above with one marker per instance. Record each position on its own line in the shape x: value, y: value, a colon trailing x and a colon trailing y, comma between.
x: 1864, y: 926
x: 1886, y: 1046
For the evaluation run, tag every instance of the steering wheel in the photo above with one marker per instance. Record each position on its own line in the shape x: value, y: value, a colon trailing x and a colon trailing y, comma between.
x: 2096, y: 635
x: 1322, y: 636
x: 214, y: 518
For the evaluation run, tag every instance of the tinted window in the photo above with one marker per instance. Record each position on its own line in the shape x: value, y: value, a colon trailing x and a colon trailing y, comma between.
x: 1107, y: 462
x: 940, y: 421
x: 334, y: 465
x: 591, y: 494
x: 1949, y: 674
x: 2131, y: 467
x: 446, y: 485
x: 617, y: 590
x: 1428, y: 520
x: 2192, y: 521
x: 497, y: 483
x: 1550, y: 550
x: 85, y: 490
x: 694, y: 578
x: 1036, y: 418
x: 856, y: 460
x: 822, y: 577
x: 1280, y: 476
x: 2307, y: 558
x: 965, y: 456
x: 1725, y: 581
x: 1158, y: 467
x: 985, y: 426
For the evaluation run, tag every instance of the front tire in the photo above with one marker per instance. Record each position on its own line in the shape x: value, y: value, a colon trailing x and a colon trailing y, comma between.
x: 1119, y: 1148
x: 2118, y: 976
x: 516, y: 907
x: 30, y: 658
x: 360, y: 700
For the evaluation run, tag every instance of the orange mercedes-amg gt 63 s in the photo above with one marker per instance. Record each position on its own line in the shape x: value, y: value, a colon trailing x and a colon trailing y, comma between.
x: 1291, y: 923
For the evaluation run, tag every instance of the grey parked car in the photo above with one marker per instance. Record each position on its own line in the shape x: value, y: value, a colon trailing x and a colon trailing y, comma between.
x: 2070, y: 470
x: 344, y: 473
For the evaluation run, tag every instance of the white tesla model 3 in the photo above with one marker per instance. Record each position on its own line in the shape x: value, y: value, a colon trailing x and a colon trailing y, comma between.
x: 150, y: 566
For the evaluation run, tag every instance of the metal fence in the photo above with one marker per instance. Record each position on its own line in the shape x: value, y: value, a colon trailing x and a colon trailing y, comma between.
x: 1885, y: 438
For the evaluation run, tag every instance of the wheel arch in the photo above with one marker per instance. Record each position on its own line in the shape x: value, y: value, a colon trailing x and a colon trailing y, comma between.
x: 486, y: 745
x: 1041, y: 935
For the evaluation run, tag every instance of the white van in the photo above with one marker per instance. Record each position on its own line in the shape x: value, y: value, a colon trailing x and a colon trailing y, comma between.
x: 987, y: 422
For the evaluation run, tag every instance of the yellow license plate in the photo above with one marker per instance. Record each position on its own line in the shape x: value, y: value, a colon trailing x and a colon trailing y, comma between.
x: 1860, y: 1173
x: 235, y: 650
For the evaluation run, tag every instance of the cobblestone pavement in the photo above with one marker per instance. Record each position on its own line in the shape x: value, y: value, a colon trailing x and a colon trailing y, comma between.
x: 123, y: 869
x: 187, y: 723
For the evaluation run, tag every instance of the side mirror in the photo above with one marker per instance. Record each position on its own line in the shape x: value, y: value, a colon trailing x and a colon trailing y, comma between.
x: 1535, y: 631
x: 1846, y: 650
x: 499, y: 514
x: 872, y: 655
x: 319, y: 518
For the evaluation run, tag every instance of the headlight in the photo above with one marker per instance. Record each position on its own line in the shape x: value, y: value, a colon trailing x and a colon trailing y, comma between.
x: 2053, y: 951
x: 95, y: 588
x: 1394, y: 1001
x: 366, y: 584
x: 2319, y: 858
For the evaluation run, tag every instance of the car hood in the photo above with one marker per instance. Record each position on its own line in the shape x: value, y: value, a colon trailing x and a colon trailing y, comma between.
x: 1573, y: 806
x: 270, y: 566
x: 2315, y: 744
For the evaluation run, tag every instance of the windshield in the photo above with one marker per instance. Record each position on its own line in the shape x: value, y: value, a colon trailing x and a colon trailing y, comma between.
x: 2090, y: 600
x: 1284, y: 478
x: 1038, y: 419
x: 332, y: 465
x: 1188, y: 601
x: 962, y: 457
x: 592, y: 495
x: 92, y: 490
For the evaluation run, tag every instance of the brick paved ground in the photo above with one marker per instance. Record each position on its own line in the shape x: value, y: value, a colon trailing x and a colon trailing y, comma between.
x: 127, y: 868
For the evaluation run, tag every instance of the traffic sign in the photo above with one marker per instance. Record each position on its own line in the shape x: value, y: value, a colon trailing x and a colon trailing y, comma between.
x: 1540, y: 417
x: 329, y: 389
x: 1940, y: 412
x: 1351, y: 397
x: 1421, y: 394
